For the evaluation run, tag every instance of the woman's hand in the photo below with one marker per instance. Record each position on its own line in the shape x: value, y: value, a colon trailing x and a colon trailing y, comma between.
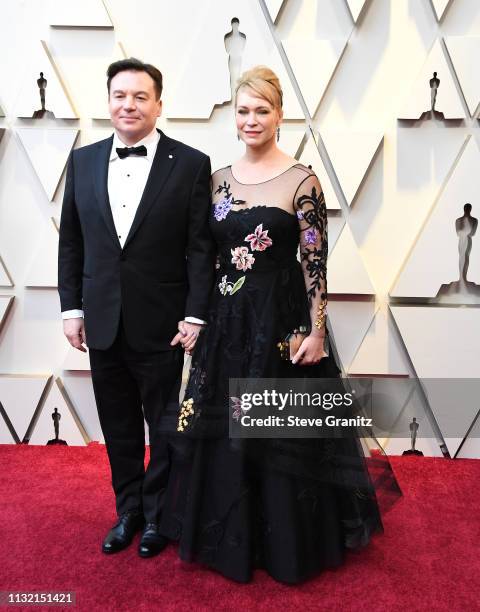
x: 187, y: 336
x: 311, y: 350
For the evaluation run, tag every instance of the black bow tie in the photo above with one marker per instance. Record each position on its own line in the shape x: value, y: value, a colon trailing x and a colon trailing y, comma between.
x: 126, y: 151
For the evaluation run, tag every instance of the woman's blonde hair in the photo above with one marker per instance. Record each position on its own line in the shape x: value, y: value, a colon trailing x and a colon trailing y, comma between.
x: 264, y: 82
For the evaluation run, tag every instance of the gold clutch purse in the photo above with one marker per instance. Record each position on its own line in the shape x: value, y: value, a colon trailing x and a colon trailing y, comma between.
x: 292, y: 343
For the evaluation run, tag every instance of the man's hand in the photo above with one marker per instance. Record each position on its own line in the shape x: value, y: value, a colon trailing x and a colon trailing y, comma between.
x: 187, y: 335
x: 74, y: 330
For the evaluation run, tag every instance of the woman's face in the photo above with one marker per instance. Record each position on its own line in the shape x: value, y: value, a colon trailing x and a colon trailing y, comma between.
x: 257, y: 120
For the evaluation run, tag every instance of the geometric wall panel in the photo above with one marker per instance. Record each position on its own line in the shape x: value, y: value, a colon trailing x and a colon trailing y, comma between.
x: 98, y: 98
x: 2, y: 132
x: 311, y: 157
x: 76, y: 360
x: 324, y: 55
x: 443, y: 342
x: 43, y: 271
x: 70, y: 428
x: 346, y: 272
x: 462, y: 50
x: 349, y: 322
x: 381, y: 352
x: 48, y: 151
x: 400, y: 196
x: 291, y: 137
x: 210, y: 52
x: 2, y: 114
x: 222, y: 150
x: 274, y: 7
x: 5, y: 278
x: 471, y: 446
x: 20, y: 396
x: 454, y: 406
x: 445, y: 230
x: 355, y: 7
x: 351, y: 153
x: 87, y: 71
x: 6, y: 303
x: 334, y: 229
x: 197, y: 92
x: 425, y: 158
x: 439, y: 7
x: 403, y: 402
x: 80, y: 391
x: 56, y: 98
x: 419, y: 100
x: 89, y: 136
x: 85, y: 14
x: 5, y: 434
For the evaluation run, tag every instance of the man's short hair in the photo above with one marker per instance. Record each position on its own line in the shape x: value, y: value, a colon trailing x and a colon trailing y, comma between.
x: 132, y: 63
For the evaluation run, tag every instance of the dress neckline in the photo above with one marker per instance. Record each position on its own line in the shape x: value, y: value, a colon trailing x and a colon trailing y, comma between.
x: 262, y: 182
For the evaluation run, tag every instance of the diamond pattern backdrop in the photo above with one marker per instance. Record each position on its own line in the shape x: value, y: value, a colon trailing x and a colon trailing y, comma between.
x: 396, y: 152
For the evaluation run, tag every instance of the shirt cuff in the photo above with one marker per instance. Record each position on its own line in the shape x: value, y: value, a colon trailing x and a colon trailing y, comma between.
x: 195, y: 320
x: 72, y: 314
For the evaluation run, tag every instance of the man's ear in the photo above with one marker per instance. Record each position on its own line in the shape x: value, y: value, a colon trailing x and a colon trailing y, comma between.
x: 160, y: 108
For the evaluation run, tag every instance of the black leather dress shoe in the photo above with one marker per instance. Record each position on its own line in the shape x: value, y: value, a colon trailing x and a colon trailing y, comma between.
x: 152, y: 542
x: 121, y: 534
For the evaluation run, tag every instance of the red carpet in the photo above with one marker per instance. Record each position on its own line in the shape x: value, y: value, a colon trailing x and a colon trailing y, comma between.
x: 56, y: 507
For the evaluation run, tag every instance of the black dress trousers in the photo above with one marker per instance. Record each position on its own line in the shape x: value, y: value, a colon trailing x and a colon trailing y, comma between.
x: 124, y: 380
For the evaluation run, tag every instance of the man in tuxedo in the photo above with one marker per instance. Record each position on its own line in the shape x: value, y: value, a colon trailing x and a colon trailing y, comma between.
x: 136, y: 266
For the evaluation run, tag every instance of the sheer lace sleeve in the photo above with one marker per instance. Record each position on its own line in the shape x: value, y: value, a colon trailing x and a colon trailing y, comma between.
x: 311, y: 210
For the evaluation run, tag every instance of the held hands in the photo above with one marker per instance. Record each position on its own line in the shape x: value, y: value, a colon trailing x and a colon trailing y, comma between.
x: 187, y: 336
x: 311, y: 350
x: 74, y: 330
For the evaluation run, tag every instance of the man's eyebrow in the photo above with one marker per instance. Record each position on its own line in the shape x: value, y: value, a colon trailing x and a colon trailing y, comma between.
x: 145, y: 93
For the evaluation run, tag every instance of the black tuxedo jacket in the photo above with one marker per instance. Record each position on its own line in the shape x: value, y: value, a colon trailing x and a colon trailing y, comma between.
x: 164, y: 271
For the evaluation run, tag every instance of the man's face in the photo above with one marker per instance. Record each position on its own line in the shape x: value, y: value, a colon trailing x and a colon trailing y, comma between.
x: 133, y: 105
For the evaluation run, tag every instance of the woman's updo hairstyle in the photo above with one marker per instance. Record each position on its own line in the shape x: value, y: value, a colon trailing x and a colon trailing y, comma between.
x: 263, y: 82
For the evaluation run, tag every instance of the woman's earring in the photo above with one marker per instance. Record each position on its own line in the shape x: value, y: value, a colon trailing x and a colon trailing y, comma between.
x: 278, y: 133
x: 238, y: 136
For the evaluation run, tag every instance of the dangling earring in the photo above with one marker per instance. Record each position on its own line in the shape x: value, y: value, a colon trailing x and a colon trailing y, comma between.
x: 238, y: 136
x: 278, y: 133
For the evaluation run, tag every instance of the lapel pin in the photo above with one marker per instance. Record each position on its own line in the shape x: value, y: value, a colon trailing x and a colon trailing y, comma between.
x: 170, y: 156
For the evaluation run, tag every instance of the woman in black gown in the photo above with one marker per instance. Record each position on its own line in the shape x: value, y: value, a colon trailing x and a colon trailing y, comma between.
x: 289, y: 506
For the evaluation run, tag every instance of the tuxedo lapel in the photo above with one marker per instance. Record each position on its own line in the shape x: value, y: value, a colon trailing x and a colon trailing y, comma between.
x: 162, y: 165
x: 101, y: 185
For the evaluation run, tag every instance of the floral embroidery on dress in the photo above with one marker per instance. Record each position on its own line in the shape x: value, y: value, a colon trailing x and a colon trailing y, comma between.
x: 186, y: 411
x: 237, y: 409
x: 229, y: 288
x: 259, y: 240
x: 311, y: 236
x: 223, y: 207
x: 314, y: 252
x: 242, y: 258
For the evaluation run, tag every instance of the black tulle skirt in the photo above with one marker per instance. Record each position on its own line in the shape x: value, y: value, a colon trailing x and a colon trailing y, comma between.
x: 290, y: 506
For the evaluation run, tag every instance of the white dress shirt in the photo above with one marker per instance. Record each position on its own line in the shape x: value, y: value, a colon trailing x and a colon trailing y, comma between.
x: 126, y: 182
